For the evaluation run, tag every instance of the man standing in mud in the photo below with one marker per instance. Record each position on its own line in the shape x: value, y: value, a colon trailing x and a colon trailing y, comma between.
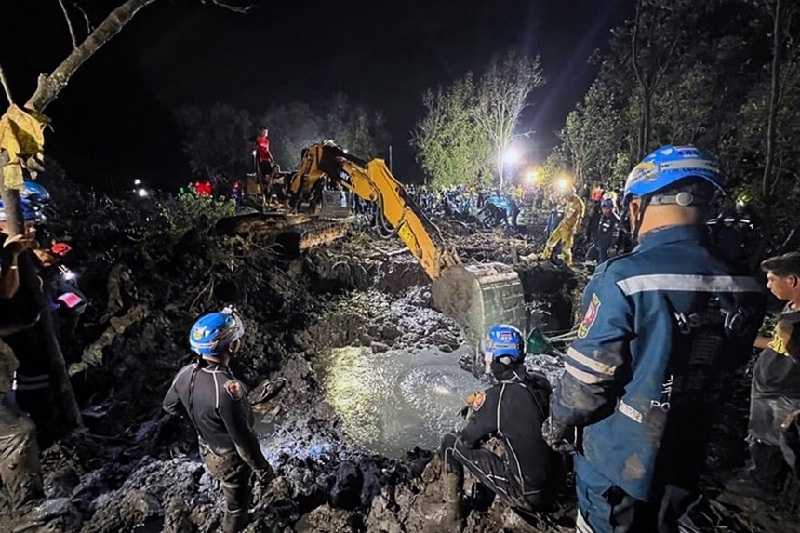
x: 663, y: 328
x: 775, y: 393
x: 527, y: 474
x: 20, y: 469
x: 216, y: 404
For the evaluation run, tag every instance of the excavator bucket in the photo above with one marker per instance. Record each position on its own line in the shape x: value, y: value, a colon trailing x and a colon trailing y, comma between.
x: 478, y: 296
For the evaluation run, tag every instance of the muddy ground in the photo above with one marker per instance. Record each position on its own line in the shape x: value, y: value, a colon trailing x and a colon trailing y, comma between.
x: 151, y: 268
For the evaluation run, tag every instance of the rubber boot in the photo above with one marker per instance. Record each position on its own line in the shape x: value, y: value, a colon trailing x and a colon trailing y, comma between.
x: 453, y: 488
x: 20, y: 469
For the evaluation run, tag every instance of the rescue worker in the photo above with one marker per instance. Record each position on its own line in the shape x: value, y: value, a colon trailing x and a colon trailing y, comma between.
x: 33, y: 388
x: 526, y: 475
x: 775, y: 393
x: 605, y: 232
x: 263, y: 156
x: 662, y: 328
x: 735, y: 232
x: 20, y: 470
x: 216, y: 403
x: 565, y: 231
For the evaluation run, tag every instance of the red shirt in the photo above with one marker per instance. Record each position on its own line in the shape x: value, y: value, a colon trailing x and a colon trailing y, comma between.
x: 262, y: 147
x: 203, y: 188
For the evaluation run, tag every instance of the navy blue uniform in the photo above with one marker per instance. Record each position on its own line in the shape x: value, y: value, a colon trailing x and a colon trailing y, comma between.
x: 662, y: 328
x: 605, y: 234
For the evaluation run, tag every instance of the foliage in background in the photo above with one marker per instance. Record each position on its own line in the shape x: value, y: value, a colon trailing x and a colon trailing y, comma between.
x: 470, y: 124
x: 501, y: 96
x: 706, y: 68
x: 450, y: 148
x: 292, y: 127
x: 219, y: 140
x: 216, y: 139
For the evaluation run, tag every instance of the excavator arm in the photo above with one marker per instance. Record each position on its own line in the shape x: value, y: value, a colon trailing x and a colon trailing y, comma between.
x: 477, y: 296
x: 373, y: 181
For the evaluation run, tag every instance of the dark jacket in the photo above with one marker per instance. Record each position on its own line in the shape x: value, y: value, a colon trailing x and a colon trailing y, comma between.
x: 513, y: 410
x: 663, y: 327
x: 217, y: 406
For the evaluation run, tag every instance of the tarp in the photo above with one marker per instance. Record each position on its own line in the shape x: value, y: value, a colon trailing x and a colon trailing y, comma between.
x: 21, y: 136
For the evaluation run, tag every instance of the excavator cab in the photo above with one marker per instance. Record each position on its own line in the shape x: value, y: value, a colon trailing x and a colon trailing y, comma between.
x: 477, y: 296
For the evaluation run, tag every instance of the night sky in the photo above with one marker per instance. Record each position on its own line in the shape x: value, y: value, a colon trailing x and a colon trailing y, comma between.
x: 114, y: 120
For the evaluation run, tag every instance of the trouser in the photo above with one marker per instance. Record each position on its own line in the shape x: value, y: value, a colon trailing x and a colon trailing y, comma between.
x: 36, y: 398
x: 564, y: 234
x: 265, y: 168
x: 769, y: 449
x: 20, y: 469
x: 606, y: 508
x: 493, y: 472
x: 233, y: 474
x: 602, y: 247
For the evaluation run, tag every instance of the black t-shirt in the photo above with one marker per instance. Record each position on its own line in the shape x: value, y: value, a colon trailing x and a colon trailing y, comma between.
x: 777, y: 372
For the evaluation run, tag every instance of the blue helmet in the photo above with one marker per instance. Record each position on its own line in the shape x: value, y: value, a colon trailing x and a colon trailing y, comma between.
x: 213, y: 333
x: 668, y: 165
x: 607, y: 202
x: 34, y: 192
x: 32, y: 197
x: 28, y: 212
x: 505, y: 341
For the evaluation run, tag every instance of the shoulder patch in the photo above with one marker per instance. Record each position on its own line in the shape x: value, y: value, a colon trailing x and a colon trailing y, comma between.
x: 235, y: 389
x: 478, y: 399
x: 590, y: 317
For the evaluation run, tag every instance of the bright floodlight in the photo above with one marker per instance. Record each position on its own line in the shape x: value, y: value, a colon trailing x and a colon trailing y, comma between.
x: 254, y: 152
x: 533, y: 176
x: 511, y: 155
x: 142, y: 192
x: 563, y: 184
x: 137, y: 182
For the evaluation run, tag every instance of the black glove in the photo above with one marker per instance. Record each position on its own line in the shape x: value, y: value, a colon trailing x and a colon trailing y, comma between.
x: 558, y: 436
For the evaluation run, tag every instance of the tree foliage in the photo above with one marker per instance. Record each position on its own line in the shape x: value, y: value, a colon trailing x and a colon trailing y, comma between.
x: 591, y: 134
x: 450, y: 147
x: 216, y: 140
x: 707, y: 71
x: 501, y: 97
x: 292, y: 127
x: 472, y: 122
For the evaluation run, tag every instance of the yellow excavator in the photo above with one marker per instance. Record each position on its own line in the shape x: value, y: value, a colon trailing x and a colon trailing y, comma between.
x: 476, y: 296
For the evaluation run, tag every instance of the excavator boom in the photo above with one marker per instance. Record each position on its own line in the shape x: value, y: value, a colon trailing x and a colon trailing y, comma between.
x: 477, y: 296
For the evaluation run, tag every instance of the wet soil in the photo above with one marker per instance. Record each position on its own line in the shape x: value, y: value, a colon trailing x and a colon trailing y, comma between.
x: 362, y: 304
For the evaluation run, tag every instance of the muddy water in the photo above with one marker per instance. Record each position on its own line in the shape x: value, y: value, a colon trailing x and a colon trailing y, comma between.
x: 390, y: 402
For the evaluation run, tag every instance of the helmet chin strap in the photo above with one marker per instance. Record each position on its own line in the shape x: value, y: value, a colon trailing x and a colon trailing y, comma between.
x: 637, y: 224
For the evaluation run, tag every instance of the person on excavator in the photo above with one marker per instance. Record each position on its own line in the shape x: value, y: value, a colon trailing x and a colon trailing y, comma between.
x: 527, y: 474
x: 264, y: 158
x: 216, y: 403
x: 663, y: 328
x: 566, y: 229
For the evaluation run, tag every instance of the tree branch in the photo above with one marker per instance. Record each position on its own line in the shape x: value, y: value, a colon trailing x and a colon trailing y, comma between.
x: 85, y: 17
x: 4, y: 81
x: 69, y: 23
x: 235, y: 9
x: 635, y: 44
x: 49, y: 86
